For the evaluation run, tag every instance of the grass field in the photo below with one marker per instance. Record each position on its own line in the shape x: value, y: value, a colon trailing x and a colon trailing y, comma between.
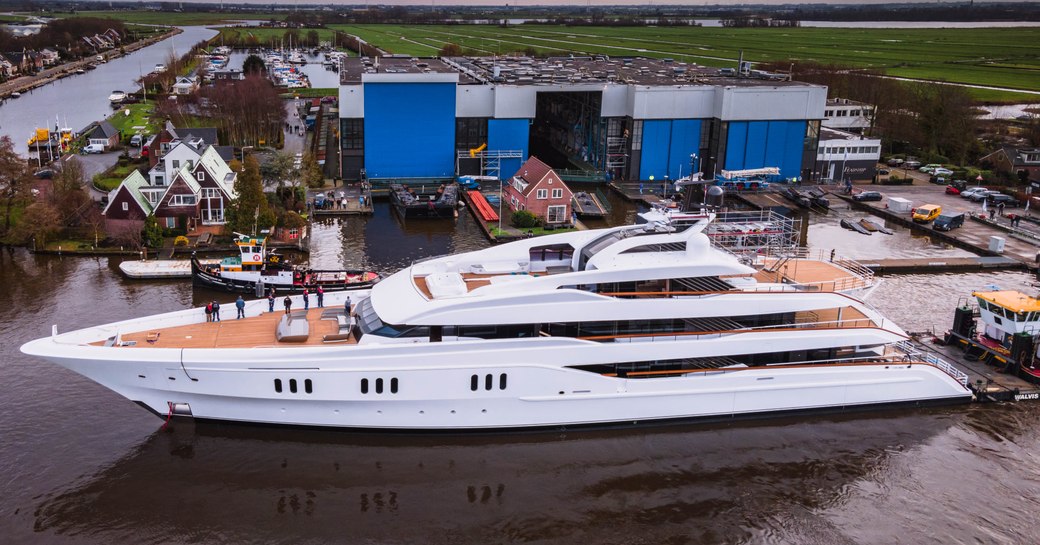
x: 140, y: 116
x: 1005, y: 57
x: 172, y: 18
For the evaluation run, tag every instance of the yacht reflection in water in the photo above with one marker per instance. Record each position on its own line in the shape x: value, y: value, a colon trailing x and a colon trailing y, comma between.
x: 206, y: 483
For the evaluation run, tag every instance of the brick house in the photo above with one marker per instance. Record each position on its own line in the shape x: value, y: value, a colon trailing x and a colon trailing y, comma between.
x: 1014, y: 161
x: 538, y: 189
x: 127, y: 205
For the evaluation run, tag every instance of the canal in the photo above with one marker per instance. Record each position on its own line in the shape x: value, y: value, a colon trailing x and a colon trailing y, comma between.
x: 80, y: 464
x: 79, y: 100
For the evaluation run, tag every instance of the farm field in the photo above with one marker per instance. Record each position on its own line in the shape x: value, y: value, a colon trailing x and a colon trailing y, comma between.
x: 1006, y: 57
x: 172, y: 18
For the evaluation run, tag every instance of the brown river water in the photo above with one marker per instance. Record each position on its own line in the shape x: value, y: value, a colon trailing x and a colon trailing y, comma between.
x: 79, y: 464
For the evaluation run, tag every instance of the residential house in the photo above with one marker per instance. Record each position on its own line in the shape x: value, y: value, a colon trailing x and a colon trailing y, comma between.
x: 170, y: 136
x: 103, y: 133
x: 19, y: 61
x: 50, y: 56
x: 228, y: 74
x: 185, y: 85
x: 1022, y: 163
x: 538, y: 189
x: 7, y: 69
x: 198, y: 193
x: 128, y: 205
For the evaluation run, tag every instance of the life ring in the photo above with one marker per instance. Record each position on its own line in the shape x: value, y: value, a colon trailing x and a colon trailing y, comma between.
x: 256, y: 257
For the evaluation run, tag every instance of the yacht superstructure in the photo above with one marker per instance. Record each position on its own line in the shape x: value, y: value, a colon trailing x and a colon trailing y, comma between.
x: 633, y: 324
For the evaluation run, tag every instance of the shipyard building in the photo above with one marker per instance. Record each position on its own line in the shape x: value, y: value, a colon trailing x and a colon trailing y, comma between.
x: 603, y: 118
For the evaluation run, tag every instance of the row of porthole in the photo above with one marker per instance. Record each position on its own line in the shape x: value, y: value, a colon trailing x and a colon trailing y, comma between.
x: 308, y: 386
x: 489, y: 382
x: 379, y: 385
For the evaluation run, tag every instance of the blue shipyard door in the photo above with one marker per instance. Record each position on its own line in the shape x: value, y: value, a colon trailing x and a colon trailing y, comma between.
x: 409, y: 130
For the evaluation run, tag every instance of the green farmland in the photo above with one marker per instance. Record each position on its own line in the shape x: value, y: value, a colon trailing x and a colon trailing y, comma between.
x: 172, y: 18
x: 265, y: 36
x: 999, y: 57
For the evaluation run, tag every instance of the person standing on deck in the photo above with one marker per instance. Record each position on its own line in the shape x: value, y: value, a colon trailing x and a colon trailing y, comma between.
x: 209, y: 306
x: 288, y: 304
x: 270, y: 300
x: 306, y: 300
x: 216, y: 311
x: 346, y: 304
x: 240, y: 304
x: 321, y: 296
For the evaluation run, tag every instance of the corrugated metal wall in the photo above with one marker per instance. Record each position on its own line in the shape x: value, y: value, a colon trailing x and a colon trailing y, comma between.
x: 757, y: 144
x: 409, y: 130
x: 509, y: 134
x: 667, y: 146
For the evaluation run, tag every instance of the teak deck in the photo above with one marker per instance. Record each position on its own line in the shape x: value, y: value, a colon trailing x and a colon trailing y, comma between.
x: 252, y: 332
x: 828, y: 276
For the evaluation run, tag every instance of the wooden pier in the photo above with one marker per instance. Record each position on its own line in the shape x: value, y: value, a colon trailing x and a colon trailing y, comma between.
x: 358, y: 201
x: 924, y: 265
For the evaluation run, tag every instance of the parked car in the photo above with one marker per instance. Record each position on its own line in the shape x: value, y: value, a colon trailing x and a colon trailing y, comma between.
x: 967, y: 193
x: 940, y: 180
x: 926, y: 213
x: 980, y: 196
x: 948, y: 221
x: 44, y: 174
x: 959, y: 184
x: 883, y: 172
x: 930, y: 167
x: 136, y: 140
x: 952, y: 190
x: 894, y: 162
x: 1006, y: 200
x: 867, y: 196
x: 942, y: 171
x: 93, y: 148
x: 911, y: 164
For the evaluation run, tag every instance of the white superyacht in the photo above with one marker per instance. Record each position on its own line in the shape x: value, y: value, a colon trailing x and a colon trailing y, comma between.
x: 629, y: 325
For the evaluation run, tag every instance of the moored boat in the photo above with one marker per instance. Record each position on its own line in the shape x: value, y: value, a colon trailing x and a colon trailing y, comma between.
x: 255, y: 270
x: 628, y: 325
x: 854, y: 226
x: 117, y: 96
x: 1008, y: 337
x: 441, y: 203
x: 874, y: 226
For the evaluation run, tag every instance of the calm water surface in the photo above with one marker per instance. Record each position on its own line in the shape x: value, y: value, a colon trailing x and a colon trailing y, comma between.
x: 79, y: 464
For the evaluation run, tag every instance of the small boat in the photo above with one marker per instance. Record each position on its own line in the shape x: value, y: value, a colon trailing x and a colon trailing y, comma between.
x: 587, y: 205
x: 411, y: 204
x: 818, y: 198
x: 255, y: 270
x: 16, y: 94
x: 159, y: 68
x: 117, y: 96
x: 80, y: 71
x: 854, y: 226
x: 872, y: 226
x: 796, y: 197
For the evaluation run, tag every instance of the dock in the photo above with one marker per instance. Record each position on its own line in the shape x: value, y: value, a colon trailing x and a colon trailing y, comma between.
x: 358, y: 201
x: 649, y: 193
x: 924, y: 265
x: 588, y: 205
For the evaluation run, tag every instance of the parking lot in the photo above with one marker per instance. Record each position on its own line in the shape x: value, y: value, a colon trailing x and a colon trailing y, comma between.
x: 1023, y: 247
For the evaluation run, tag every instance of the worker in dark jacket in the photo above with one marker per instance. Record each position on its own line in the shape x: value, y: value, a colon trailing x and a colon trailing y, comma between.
x: 240, y: 304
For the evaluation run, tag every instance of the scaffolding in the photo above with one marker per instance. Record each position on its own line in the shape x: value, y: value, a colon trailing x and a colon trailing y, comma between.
x: 490, y: 160
x: 763, y: 232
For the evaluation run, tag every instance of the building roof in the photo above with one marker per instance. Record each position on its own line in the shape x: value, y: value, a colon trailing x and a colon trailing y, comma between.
x: 846, y: 102
x: 218, y: 170
x: 207, y: 134
x: 531, y: 172
x: 521, y: 70
x: 104, y: 129
x: 827, y: 133
x: 227, y: 153
x: 132, y: 184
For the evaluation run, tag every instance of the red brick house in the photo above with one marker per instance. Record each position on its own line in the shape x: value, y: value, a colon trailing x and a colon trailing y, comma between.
x: 538, y: 189
x: 127, y: 205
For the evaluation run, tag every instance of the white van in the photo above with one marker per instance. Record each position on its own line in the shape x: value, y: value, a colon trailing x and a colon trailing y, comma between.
x: 136, y: 140
x: 93, y: 148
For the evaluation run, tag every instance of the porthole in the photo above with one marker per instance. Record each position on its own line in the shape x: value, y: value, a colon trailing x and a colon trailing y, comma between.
x: 308, y: 386
x: 364, y: 385
x: 473, y: 381
x: 502, y: 381
x: 292, y: 385
x: 379, y: 385
x: 393, y: 385
x: 278, y: 385
x: 488, y: 379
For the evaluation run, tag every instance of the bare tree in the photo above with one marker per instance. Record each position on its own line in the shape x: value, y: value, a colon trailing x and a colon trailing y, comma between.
x: 15, y: 180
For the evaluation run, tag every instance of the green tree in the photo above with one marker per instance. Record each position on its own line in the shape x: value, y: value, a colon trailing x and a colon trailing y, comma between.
x: 249, y: 211
x: 310, y: 172
x: 312, y: 37
x: 15, y: 181
x: 524, y: 219
x: 152, y: 233
x: 254, y: 65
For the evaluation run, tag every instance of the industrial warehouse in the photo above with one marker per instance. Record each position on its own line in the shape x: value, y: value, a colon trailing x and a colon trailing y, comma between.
x: 405, y: 118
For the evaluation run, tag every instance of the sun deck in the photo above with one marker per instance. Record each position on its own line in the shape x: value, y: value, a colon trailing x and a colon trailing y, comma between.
x: 820, y: 275
x: 251, y: 332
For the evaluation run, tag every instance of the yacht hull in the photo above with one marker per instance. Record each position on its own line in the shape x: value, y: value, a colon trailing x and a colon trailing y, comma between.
x: 369, y: 390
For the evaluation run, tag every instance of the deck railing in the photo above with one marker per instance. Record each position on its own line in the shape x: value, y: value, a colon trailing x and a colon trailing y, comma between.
x: 915, y: 353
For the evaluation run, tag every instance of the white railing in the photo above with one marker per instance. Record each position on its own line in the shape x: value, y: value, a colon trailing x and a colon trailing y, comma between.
x: 912, y: 352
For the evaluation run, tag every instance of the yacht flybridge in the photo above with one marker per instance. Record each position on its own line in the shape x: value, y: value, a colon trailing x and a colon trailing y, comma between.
x: 635, y: 324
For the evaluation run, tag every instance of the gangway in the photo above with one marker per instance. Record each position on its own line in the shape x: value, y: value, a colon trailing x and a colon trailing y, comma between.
x: 490, y: 160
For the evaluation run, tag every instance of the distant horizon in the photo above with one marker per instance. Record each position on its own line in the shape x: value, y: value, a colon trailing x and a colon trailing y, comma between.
x: 563, y: 3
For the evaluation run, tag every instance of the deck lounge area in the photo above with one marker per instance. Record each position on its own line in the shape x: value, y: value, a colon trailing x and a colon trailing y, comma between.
x: 323, y: 327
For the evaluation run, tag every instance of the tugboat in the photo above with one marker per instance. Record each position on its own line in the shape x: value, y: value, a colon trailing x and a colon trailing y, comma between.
x: 255, y: 270
x: 411, y: 204
x: 1008, y: 339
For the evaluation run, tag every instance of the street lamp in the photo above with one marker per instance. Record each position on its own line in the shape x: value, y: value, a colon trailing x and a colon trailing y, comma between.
x: 244, y: 148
